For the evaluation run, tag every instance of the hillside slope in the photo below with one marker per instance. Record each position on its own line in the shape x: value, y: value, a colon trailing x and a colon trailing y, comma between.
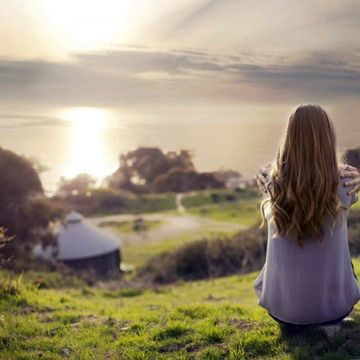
x: 216, y: 319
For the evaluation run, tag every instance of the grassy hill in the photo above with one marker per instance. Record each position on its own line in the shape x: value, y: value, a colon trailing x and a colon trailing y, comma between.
x: 52, y: 316
x: 214, y: 319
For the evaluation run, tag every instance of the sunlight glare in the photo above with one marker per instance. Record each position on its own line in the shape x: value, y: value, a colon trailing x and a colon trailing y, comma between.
x: 89, y: 24
x: 86, y: 142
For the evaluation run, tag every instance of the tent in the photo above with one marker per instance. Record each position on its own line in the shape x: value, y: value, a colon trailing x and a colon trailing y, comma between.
x: 83, y: 246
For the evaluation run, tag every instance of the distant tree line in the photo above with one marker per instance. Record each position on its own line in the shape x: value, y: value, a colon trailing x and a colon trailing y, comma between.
x: 149, y: 170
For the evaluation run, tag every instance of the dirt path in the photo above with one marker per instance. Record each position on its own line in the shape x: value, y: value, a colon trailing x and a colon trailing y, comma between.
x: 173, y: 225
x: 179, y: 205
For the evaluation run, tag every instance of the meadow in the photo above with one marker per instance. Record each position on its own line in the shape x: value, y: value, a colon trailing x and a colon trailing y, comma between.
x: 50, y: 315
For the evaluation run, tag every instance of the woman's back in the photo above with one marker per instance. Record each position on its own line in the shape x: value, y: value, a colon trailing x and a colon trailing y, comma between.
x: 310, y: 284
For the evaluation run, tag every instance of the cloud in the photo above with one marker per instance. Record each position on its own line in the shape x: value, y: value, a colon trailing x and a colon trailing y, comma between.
x: 14, y: 121
x: 143, y: 75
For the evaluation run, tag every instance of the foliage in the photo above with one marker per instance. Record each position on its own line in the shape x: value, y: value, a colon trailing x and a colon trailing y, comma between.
x: 111, y: 201
x: 10, y: 285
x: 149, y: 169
x: 139, y: 168
x: 80, y: 184
x: 18, y: 179
x: 25, y: 213
x: 208, y: 258
x: 28, y: 223
x: 96, y: 201
x: 352, y: 157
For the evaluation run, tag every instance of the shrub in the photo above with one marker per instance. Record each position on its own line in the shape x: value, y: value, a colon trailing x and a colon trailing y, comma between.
x: 208, y: 258
x: 9, y: 287
x: 13, y: 287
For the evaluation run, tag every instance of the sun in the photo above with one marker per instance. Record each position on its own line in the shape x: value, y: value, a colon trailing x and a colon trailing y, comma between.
x: 88, y: 24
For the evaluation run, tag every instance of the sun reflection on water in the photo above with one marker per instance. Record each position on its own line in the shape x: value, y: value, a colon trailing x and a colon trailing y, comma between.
x: 86, y: 141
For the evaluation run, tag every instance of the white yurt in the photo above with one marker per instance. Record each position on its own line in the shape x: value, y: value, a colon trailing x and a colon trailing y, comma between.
x: 83, y: 246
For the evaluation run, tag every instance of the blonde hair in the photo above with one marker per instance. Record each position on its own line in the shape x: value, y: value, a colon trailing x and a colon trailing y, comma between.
x: 305, y: 176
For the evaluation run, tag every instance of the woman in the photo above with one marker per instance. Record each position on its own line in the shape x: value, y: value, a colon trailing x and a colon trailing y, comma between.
x: 308, y: 277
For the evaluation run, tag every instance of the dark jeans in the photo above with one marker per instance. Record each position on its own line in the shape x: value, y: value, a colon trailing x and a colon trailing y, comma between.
x: 330, y: 322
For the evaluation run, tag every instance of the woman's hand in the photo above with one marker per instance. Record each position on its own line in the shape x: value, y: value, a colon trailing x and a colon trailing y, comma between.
x: 262, y: 177
x: 350, y: 171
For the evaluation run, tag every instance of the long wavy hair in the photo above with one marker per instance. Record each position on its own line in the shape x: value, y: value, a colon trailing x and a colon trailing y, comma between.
x: 304, y: 177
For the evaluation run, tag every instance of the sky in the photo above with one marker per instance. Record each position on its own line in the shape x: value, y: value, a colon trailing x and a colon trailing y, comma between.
x: 195, y: 59
x: 125, y: 53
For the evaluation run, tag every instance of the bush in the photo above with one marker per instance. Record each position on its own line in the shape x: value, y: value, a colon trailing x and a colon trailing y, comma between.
x: 25, y: 212
x: 12, y: 286
x: 96, y: 201
x: 209, y: 258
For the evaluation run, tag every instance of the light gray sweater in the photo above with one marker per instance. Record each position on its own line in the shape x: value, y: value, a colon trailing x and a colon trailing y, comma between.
x: 312, y: 284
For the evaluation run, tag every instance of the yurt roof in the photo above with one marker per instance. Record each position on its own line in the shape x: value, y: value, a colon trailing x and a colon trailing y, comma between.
x: 78, y: 239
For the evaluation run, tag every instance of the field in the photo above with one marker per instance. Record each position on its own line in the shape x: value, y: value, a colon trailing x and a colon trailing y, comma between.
x: 214, y: 319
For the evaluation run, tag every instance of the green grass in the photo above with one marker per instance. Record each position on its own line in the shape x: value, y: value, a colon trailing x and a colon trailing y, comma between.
x: 215, y: 319
x: 210, y: 196
x: 138, y: 253
x: 151, y: 202
x: 357, y: 204
x: 244, y: 212
x: 240, y: 207
x: 129, y: 226
x: 166, y: 201
x: 193, y: 199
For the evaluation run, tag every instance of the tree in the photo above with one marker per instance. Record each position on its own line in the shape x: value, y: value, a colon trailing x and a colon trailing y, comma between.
x: 80, y: 184
x: 18, y: 178
x: 139, y: 168
x: 25, y: 213
x: 352, y: 157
